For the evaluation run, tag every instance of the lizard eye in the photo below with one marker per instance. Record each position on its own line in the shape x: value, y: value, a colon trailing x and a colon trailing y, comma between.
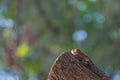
x: 80, y: 60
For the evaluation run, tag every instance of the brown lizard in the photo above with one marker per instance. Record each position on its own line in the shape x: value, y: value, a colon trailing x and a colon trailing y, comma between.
x: 87, y: 62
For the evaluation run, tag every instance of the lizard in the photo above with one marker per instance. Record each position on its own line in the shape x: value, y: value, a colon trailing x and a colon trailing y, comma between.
x: 87, y: 62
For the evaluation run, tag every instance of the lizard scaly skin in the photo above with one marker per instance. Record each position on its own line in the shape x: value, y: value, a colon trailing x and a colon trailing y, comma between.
x: 87, y: 62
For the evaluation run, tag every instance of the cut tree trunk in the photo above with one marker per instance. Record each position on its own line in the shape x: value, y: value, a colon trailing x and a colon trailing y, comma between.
x: 71, y: 67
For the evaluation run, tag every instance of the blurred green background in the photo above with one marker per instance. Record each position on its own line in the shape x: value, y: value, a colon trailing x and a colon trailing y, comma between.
x: 34, y: 32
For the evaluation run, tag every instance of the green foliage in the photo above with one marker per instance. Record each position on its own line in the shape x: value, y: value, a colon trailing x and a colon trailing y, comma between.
x: 47, y: 26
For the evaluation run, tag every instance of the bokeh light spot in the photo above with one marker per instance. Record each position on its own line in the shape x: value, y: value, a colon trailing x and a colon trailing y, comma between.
x: 8, y: 75
x: 116, y: 76
x: 72, y: 1
x: 99, y: 17
x: 7, y: 23
x: 79, y: 35
x: 87, y: 18
x: 81, y: 6
x: 22, y: 50
x: 92, y: 0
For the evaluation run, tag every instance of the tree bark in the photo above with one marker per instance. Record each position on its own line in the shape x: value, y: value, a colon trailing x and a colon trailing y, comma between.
x: 68, y: 67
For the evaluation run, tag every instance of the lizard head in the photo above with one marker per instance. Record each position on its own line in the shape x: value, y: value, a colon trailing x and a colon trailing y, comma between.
x: 85, y: 59
x: 77, y: 52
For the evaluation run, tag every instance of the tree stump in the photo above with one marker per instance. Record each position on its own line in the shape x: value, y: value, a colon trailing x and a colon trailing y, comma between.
x: 72, y: 67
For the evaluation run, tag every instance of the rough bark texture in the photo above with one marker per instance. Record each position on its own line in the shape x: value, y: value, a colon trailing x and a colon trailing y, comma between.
x: 68, y: 67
